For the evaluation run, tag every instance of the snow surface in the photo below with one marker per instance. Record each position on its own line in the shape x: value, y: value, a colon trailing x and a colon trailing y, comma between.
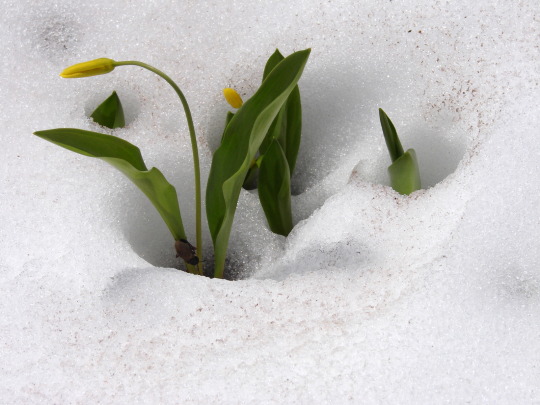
x: 374, y: 297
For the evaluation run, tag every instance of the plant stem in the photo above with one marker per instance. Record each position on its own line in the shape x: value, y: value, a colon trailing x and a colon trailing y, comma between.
x: 197, y: 172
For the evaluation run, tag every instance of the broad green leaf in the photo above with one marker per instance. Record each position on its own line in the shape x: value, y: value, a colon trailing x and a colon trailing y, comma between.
x: 110, y: 113
x: 404, y: 173
x: 241, y: 140
x: 127, y: 158
x: 291, y: 121
x: 275, y: 189
x: 390, y: 136
x: 252, y: 176
x: 287, y: 126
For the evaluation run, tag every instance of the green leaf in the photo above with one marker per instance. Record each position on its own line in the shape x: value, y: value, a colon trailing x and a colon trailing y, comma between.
x: 278, y: 126
x: 110, y: 113
x: 404, y: 173
x: 275, y: 189
x: 228, y: 119
x: 293, y: 128
x: 272, y: 62
x: 241, y: 140
x: 287, y: 126
x: 127, y: 158
x: 390, y: 136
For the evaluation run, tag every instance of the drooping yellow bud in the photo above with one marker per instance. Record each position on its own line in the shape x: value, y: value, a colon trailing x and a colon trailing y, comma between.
x: 233, y: 98
x: 91, y: 68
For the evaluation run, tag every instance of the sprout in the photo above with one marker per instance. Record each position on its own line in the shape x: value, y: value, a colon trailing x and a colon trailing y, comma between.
x: 245, y: 132
x: 404, y: 173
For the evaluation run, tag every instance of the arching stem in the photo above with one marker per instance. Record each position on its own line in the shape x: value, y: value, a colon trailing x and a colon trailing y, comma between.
x: 197, y: 172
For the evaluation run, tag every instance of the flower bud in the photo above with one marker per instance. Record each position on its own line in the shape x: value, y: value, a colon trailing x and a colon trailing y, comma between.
x: 91, y: 68
x: 233, y: 98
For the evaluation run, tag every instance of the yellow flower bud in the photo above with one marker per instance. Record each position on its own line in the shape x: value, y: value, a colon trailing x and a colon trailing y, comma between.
x: 91, y: 68
x: 233, y: 98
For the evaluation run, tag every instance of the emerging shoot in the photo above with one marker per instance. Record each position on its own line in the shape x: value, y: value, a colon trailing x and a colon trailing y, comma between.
x: 404, y: 173
x: 110, y: 113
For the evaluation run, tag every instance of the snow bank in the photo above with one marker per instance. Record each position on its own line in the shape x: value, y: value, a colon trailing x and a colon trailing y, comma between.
x: 374, y: 297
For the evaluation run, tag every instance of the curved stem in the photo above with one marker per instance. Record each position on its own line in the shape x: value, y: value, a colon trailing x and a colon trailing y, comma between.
x: 198, y: 202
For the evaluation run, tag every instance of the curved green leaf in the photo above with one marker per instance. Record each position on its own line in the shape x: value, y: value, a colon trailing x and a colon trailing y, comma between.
x: 390, y: 136
x: 127, y: 158
x: 241, y: 140
x: 404, y: 173
x: 272, y: 62
x: 287, y: 126
x: 110, y: 113
x: 277, y: 128
x: 275, y: 189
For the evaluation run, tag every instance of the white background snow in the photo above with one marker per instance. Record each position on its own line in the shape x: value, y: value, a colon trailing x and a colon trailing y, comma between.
x: 374, y: 297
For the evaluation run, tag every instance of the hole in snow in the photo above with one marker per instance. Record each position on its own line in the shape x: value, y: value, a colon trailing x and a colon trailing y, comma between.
x: 56, y: 34
x: 439, y: 148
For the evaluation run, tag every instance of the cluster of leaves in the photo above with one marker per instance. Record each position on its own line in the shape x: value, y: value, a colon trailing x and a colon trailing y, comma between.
x: 258, y: 150
x: 256, y: 122
x: 256, y: 132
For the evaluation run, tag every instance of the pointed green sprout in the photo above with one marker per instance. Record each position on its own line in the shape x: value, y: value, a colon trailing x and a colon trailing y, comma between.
x: 404, y: 173
x: 106, y: 65
x: 241, y: 140
x: 110, y: 113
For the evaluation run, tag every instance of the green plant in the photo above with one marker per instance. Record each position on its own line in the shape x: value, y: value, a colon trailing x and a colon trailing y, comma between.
x: 126, y: 157
x: 272, y: 167
x: 243, y: 136
x: 404, y: 173
x: 110, y: 113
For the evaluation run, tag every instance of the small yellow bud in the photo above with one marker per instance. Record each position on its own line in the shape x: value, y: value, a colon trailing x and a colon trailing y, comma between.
x: 233, y: 98
x: 91, y: 68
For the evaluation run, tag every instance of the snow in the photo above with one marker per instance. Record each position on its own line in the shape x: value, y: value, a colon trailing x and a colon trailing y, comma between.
x: 374, y: 297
